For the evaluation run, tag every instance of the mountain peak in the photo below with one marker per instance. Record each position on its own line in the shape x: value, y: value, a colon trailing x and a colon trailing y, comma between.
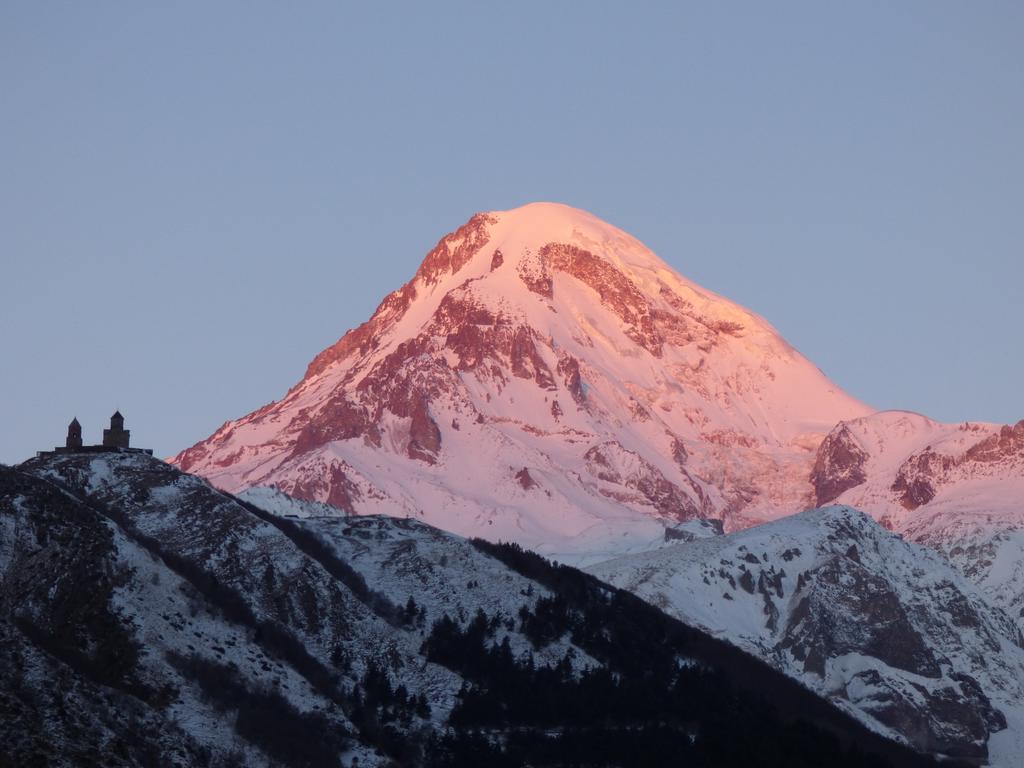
x: 544, y: 213
x: 507, y: 265
x: 588, y: 385
x: 521, y: 233
x: 537, y: 224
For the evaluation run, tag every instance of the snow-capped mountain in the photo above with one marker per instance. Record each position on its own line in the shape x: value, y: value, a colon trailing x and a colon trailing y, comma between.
x: 881, y: 626
x: 545, y: 378
x: 149, y: 619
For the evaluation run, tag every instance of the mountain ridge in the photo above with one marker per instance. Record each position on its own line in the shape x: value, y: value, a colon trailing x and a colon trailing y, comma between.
x: 881, y: 626
x: 147, y: 618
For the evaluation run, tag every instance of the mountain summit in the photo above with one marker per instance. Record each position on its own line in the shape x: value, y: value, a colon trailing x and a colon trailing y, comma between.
x: 545, y: 378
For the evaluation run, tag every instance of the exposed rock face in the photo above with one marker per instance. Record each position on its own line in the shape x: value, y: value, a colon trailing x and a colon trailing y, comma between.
x: 331, y: 483
x: 881, y: 626
x: 841, y: 608
x: 424, y: 435
x: 455, y: 250
x: 948, y: 717
x: 913, y: 492
x: 617, y: 292
x: 526, y: 479
x: 619, y: 467
x: 569, y: 368
x: 839, y: 465
x: 1005, y: 446
x: 340, y: 419
x: 527, y: 362
x: 546, y: 335
x: 693, y: 530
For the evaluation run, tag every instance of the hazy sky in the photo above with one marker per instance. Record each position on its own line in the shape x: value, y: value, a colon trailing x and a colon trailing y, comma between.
x: 196, y: 198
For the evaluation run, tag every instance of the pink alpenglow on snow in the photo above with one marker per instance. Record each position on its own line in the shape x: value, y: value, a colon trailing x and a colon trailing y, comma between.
x: 544, y: 339
x: 546, y: 378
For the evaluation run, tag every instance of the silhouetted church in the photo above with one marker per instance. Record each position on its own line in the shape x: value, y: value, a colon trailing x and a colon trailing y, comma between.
x: 117, y: 435
x: 115, y: 439
x: 74, y: 434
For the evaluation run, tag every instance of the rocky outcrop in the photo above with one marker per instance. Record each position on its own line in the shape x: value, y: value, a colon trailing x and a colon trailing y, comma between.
x: 454, y: 250
x: 339, y: 419
x: 424, y: 435
x: 446, y: 258
x: 839, y: 465
x: 569, y: 369
x: 611, y: 463
x: 843, y: 608
x: 527, y: 362
x: 953, y: 720
x: 617, y: 292
x: 333, y: 484
x: 364, y: 339
x: 1007, y: 444
x: 912, y: 484
x: 526, y: 480
x: 534, y: 275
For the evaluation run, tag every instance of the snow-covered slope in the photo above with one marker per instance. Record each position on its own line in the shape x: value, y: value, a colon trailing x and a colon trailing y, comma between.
x: 881, y: 626
x: 148, y: 619
x: 188, y: 589
x: 958, y: 488
x: 545, y: 378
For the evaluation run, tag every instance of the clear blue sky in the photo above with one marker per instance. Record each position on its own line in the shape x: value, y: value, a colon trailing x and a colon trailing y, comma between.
x: 196, y: 198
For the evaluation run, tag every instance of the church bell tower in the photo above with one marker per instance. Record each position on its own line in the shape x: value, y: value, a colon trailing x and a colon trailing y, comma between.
x: 74, y: 440
x: 117, y: 436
